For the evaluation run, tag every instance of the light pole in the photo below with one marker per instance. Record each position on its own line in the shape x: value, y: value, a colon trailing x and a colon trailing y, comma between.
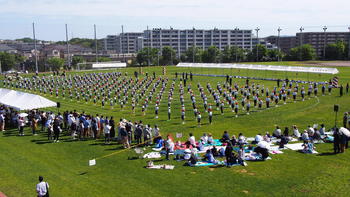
x: 236, y: 45
x: 0, y: 68
x: 96, y: 52
x: 35, y: 50
x: 257, y: 45
x: 68, y: 52
x: 301, y: 41
x: 278, y: 43
x: 325, y: 42
x: 149, y: 42
x: 349, y: 44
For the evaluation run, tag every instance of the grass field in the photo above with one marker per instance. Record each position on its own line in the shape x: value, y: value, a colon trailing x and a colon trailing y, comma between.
x: 65, y: 165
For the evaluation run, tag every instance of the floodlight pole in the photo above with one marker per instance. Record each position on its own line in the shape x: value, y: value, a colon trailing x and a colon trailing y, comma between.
x: 325, y: 42
x: 194, y: 44
x: 257, y: 45
x: 68, y: 52
x: 96, y: 52
x: 349, y: 42
x: 278, y: 43
x: 122, y: 38
x: 236, y: 45
x: 301, y: 41
x: 149, y: 42
x: 35, y: 50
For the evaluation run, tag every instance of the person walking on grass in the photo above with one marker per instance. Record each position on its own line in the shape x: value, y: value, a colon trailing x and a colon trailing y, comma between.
x: 42, y: 188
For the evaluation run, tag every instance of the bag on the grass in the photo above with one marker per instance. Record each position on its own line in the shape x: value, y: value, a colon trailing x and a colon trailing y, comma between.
x: 47, y: 191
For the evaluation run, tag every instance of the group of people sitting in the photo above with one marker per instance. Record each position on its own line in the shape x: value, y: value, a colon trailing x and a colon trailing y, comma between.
x: 235, y: 149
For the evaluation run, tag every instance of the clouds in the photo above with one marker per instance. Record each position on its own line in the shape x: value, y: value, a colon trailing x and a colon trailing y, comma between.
x: 268, y: 14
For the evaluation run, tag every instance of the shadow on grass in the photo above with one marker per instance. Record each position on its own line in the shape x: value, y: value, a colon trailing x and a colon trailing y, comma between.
x: 116, y: 148
x: 326, y: 154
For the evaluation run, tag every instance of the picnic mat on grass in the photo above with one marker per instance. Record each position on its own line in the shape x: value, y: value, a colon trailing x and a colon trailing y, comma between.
x: 204, y: 163
x: 296, y: 146
x: 165, y: 167
x: 152, y: 155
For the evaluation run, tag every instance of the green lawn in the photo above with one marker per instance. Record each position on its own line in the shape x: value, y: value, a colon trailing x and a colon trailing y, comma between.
x: 65, y: 165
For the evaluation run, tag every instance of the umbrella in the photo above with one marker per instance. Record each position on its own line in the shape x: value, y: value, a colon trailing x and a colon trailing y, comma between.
x: 22, y: 115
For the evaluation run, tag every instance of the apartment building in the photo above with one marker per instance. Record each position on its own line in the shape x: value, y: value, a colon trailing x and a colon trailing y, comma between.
x: 319, y: 39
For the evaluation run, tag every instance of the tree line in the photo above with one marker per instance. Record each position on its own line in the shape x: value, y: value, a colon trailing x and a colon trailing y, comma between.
x: 167, y: 55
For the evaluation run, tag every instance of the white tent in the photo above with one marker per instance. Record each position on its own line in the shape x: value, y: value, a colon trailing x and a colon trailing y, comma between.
x: 109, y: 65
x: 320, y: 70
x: 24, y: 101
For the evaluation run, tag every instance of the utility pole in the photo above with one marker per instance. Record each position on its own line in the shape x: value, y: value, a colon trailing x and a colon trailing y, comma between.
x: 149, y: 41
x: 35, y: 50
x: 325, y: 42
x: 278, y: 43
x: 194, y: 44
x: 96, y: 52
x: 301, y: 42
x: 349, y: 43
x: 257, y: 45
x: 68, y: 53
x: 236, y: 45
x: 122, y: 38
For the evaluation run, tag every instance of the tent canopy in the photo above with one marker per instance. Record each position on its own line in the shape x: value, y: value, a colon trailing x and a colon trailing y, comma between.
x: 109, y: 65
x: 23, y: 101
x: 319, y: 70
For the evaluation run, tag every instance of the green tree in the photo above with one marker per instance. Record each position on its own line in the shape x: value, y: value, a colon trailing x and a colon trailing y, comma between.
x: 303, y: 53
x: 211, y: 55
x: 148, y: 54
x: 193, y: 52
x: 76, y: 60
x: 8, y: 61
x: 336, y: 51
x: 226, y: 55
x: 259, y: 53
x: 104, y: 59
x: 274, y: 54
x: 168, y: 56
x: 55, y: 63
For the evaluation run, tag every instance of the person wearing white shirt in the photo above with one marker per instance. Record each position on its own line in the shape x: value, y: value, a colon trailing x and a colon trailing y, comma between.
x: 305, y: 136
x: 204, y: 138
x: 277, y: 133
x: 192, y: 140
x: 42, y: 188
x: 296, y: 132
x: 258, y: 138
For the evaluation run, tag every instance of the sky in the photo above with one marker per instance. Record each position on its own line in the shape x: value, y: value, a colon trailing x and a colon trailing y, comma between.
x: 50, y: 16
